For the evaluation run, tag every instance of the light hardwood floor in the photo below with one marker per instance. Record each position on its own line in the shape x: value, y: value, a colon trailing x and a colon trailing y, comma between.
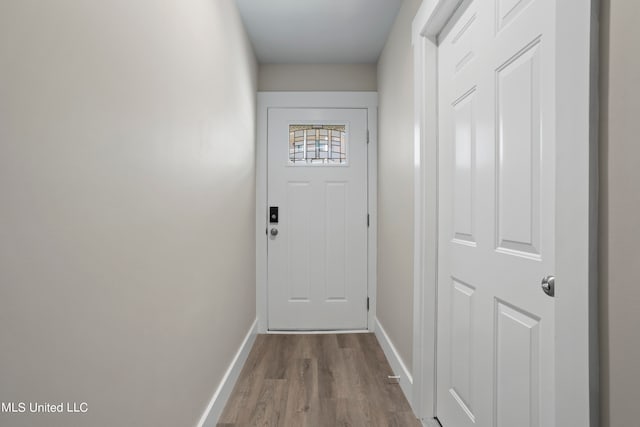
x: 316, y: 381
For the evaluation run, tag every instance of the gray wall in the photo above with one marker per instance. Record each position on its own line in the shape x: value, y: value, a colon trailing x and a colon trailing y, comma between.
x: 620, y: 213
x: 395, y: 184
x: 127, y: 206
x: 317, y: 77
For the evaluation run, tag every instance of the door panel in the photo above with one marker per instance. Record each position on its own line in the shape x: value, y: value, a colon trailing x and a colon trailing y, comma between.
x: 462, y: 345
x: 336, y: 210
x: 298, y: 211
x: 464, y: 169
x: 518, y: 165
x: 317, y: 177
x: 508, y: 9
x: 496, y: 215
x: 517, y: 400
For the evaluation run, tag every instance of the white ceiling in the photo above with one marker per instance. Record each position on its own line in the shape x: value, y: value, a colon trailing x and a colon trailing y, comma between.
x: 318, y: 31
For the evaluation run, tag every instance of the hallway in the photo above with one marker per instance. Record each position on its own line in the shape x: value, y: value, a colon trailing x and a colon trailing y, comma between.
x: 317, y: 380
x: 138, y: 248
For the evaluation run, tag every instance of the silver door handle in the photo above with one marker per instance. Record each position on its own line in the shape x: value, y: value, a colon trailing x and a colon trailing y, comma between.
x: 549, y: 285
x: 274, y: 232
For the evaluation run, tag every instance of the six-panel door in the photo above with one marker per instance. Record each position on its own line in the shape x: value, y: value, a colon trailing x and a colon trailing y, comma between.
x: 496, y: 215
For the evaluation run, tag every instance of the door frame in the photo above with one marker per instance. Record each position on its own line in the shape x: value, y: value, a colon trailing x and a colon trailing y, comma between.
x: 576, y: 266
x: 356, y: 100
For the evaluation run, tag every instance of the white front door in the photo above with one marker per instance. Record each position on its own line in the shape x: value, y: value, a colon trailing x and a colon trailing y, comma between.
x: 496, y: 327
x: 317, y: 243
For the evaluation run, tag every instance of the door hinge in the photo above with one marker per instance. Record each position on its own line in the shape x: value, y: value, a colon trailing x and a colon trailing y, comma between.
x: 367, y: 136
x: 367, y: 303
x: 367, y: 220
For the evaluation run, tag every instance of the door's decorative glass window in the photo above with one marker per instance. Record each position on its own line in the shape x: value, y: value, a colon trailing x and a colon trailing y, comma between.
x: 317, y: 144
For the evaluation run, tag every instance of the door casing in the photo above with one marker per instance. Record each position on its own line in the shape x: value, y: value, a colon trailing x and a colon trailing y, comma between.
x: 576, y: 202
x: 360, y: 100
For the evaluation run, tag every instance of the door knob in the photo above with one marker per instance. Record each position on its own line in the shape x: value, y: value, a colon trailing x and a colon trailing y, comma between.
x: 274, y: 232
x: 549, y: 285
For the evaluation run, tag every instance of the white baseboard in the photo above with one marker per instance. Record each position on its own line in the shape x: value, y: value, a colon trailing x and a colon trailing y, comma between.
x: 219, y: 400
x: 397, y: 365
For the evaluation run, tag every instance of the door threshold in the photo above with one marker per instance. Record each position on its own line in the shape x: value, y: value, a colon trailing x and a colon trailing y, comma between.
x: 317, y: 331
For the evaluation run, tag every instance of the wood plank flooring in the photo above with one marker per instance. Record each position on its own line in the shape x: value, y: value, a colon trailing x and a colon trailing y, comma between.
x: 316, y: 381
